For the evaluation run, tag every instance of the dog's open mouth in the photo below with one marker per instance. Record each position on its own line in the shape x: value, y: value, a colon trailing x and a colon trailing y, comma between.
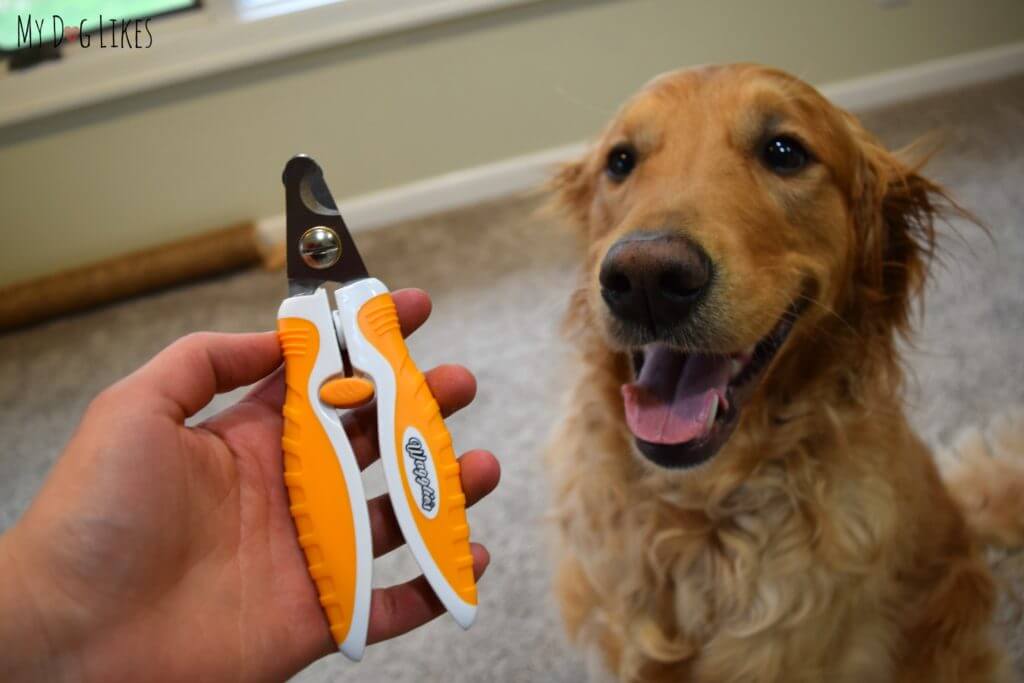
x: 683, y: 406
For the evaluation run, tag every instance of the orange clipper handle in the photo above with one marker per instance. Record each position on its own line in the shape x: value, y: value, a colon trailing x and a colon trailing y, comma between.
x: 419, y: 463
x: 321, y: 473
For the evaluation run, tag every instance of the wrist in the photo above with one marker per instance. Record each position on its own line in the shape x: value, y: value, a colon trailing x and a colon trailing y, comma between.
x: 36, y: 644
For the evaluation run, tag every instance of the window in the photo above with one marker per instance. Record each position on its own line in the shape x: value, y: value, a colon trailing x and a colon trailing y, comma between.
x: 251, y: 10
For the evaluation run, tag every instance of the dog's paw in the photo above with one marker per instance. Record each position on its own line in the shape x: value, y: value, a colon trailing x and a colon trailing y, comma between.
x: 1005, y: 434
x: 968, y: 447
x: 1002, y: 438
x: 984, y: 470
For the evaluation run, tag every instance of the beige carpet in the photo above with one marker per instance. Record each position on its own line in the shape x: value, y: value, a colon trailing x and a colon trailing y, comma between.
x: 499, y: 277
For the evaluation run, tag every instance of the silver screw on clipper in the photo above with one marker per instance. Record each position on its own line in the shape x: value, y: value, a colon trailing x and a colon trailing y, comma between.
x: 320, y: 247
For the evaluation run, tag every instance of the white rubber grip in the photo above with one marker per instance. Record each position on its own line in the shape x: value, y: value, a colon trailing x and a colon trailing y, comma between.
x: 365, y: 358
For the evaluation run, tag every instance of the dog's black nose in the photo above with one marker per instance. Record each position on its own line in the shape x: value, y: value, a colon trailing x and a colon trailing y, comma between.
x: 653, y: 278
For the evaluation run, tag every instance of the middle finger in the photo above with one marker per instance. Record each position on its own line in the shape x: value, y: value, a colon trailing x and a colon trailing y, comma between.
x: 452, y: 385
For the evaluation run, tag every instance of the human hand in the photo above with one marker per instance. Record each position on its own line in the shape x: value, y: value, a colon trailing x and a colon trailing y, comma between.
x: 162, y: 551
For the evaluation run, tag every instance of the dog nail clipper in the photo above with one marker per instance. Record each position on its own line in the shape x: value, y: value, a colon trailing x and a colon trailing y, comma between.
x: 341, y: 357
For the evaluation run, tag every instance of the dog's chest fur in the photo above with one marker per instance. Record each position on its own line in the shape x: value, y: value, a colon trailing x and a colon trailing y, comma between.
x: 776, y: 572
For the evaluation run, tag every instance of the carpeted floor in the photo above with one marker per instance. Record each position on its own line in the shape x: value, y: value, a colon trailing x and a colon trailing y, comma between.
x: 499, y: 276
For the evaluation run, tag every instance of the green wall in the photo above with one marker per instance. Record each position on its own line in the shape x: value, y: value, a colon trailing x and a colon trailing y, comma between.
x: 148, y: 168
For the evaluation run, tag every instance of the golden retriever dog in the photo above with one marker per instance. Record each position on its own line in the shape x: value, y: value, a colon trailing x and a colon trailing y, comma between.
x: 738, y: 493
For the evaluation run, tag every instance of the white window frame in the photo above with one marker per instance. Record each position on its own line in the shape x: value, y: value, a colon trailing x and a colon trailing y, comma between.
x: 213, y: 39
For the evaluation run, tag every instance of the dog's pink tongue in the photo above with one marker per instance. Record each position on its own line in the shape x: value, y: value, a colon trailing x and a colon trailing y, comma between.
x: 673, y: 398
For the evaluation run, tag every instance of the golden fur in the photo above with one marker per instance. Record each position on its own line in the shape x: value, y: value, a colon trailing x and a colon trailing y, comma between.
x: 820, y: 544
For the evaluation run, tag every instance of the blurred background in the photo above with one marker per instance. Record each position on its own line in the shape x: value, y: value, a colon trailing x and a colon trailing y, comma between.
x: 140, y: 200
x: 112, y: 149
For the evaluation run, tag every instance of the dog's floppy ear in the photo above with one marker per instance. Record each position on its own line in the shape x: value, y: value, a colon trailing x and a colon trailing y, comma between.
x: 572, y: 192
x: 895, y: 212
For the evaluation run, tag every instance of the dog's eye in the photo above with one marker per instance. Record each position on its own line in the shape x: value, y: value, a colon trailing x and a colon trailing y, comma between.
x: 784, y: 155
x: 621, y: 162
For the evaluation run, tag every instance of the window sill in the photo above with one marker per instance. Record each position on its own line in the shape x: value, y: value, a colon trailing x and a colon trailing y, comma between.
x: 205, y: 44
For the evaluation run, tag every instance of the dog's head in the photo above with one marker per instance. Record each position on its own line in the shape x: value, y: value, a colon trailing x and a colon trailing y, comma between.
x: 738, y: 222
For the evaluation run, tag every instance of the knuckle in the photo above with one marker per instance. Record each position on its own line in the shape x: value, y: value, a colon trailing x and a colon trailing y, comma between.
x: 106, y: 401
x: 192, y: 342
x: 192, y: 349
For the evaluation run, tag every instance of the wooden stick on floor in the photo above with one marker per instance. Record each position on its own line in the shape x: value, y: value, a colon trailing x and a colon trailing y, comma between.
x: 81, y: 288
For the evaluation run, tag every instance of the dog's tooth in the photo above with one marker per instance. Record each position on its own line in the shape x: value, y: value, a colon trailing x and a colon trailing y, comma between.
x: 735, y: 367
x: 712, y: 414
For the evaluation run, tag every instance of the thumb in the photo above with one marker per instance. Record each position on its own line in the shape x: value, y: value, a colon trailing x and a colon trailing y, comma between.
x: 186, y: 375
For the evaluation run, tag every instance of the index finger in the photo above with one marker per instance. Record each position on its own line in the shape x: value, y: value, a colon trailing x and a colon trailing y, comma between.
x: 413, y: 308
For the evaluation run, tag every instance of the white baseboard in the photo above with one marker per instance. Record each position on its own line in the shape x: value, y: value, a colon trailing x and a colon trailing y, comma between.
x: 927, y: 78
x: 518, y: 174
